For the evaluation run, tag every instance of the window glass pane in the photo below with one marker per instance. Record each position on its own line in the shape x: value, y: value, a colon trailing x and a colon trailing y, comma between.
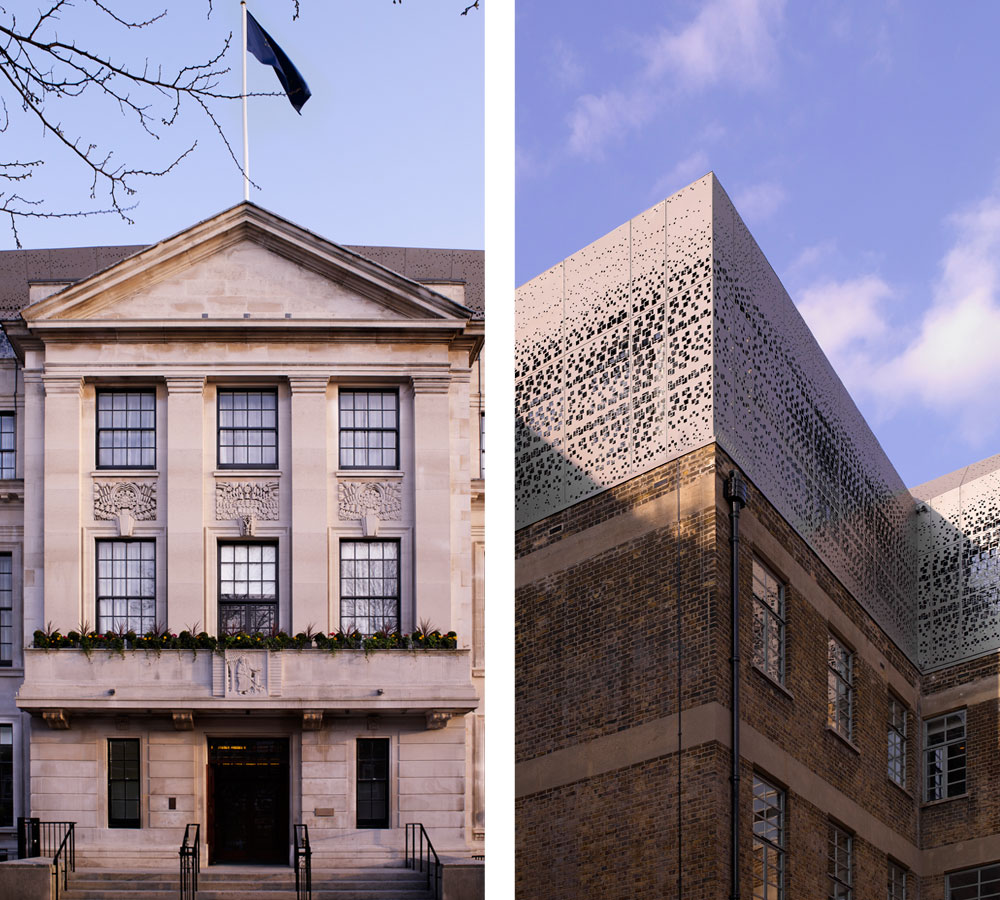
x: 126, y: 429
x: 369, y: 585
x: 126, y: 586
x: 123, y: 783
x: 369, y: 429
x: 248, y: 428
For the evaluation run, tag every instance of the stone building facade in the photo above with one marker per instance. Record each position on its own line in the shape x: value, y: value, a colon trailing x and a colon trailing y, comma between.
x: 243, y: 428
x: 652, y: 367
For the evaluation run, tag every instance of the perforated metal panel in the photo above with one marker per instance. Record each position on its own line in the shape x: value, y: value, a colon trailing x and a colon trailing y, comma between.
x: 673, y: 331
x: 958, y: 541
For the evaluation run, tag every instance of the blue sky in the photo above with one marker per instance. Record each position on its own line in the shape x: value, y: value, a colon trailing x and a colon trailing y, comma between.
x: 389, y: 149
x: 860, y: 141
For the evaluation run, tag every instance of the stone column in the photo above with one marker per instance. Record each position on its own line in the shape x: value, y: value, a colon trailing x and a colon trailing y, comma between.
x: 432, y: 501
x: 34, y: 499
x: 310, y: 592
x: 61, y: 506
x: 182, y: 461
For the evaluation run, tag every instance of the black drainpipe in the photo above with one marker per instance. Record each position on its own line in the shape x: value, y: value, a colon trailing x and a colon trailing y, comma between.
x: 735, y: 491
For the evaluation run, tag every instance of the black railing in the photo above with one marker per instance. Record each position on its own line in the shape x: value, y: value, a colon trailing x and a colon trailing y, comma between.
x: 190, y: 854
x: 418, y: 856
x: 36, y: 838
x: 303, y: 864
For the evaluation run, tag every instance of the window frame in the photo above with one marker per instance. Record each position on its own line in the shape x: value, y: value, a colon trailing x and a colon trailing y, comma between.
x: 7, y: 621
x: 11, y: 732
x: 219, y: 428
x: 381, y: 823
x: 839, y: 839
x: 101, y: 625
x: 895, y: 878
x: 275, y: 603
x: 901, y: 733
x: 109, y: 391
x: 345, y: 620
x: 771, y: 849
x: 944, y: 745
x: 976, y: 871
x: 341, y: 393
x: 114, y: 822
x: 768, y: 614
x: 6, y: 473
x: 837, y: 719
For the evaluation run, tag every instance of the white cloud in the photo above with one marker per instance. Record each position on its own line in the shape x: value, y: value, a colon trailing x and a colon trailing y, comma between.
x: 727, y: 41
x: 565, y: 65
x: 597, y: 118
x: 946, y: 356
x: 953, y: 364
x: 842, y: 314
x: 760, y: 201
x: 686, y: 171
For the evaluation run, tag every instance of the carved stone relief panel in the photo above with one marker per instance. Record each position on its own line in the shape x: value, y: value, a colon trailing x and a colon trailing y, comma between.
x: 247, y: 501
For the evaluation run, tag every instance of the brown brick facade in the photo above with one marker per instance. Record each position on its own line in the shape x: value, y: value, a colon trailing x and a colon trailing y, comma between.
x: 597, y: 651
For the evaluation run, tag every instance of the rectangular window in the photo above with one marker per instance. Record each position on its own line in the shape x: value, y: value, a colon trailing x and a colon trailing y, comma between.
x: 840, y: 688
x: 248, y: 429
x: 126, y: 429
x: 6, y: 610
x: 369, y: 429
x: 897, y: 742
x: 126, y: 586
x: 123, y: 783
x: 7, y: 445
x: 6, y: 776
x: 768, y: 623
x: 248, y: 588
x: 944, y: 756
x: 369, y: 585
x: 897, y: 882
x: 840, y: 862
x: 974, y: 884
x: 768, y: 841
x: 373, y: 783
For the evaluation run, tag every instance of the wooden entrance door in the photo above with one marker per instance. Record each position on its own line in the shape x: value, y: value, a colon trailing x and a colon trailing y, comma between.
x: 248, y: 800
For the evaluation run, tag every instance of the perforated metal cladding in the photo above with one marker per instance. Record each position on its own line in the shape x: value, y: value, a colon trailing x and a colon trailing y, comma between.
x: 958, y: 540
x: 786, y: 419
x: 613, y: 357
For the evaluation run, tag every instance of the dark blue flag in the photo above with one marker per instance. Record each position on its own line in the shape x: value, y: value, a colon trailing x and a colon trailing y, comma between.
x: 266, y: 49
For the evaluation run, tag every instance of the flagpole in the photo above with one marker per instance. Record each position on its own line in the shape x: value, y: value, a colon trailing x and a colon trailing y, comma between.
x: 246, y: 141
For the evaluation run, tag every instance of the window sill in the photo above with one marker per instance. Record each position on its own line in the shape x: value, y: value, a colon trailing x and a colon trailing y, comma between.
x: 125, y: 473
x: 775, y: 684
x: 369, y: 473
x: 847, y: 741
x: 903, y: 790
x: 929, y: 803
x: 255, y: 473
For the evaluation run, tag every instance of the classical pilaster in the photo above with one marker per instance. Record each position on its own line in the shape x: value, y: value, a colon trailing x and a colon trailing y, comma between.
x: 62, y: 603
x: 310, y: 603
x: 183, y: 462
x: 432, y: 529
x: 34, y: 500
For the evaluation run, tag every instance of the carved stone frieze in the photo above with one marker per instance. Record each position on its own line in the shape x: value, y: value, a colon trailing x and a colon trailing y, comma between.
x: 381, y: 499
x: 138, y: 497
x: 254, y: 500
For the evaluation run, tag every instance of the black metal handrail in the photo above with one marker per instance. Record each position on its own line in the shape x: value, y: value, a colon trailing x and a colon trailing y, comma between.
x: 418, y: 856
x: 190, y: 854
x: 303, y: 864
x: 36, y: 838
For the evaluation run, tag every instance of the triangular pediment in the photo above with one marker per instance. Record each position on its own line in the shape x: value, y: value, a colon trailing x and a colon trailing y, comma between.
x: 246, y: 263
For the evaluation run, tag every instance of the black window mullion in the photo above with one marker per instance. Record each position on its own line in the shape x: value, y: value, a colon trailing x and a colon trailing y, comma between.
x: 249, y: 611
x: 247, y: 429
x: 372, y: 783
x: 123, y: 783
x: 126, y: 425
x: 369, y: 429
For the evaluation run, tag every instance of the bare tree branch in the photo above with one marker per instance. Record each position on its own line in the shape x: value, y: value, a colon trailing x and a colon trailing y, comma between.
x: 38, y: 69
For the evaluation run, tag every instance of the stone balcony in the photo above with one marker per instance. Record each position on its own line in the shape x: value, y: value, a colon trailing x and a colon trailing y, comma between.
x: 434, y: 683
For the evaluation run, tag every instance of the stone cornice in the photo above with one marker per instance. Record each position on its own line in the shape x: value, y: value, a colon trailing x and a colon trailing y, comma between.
x: 308, y: 384
x: 185, y: 384
x: 62, y: 384
x: 431, y: 384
